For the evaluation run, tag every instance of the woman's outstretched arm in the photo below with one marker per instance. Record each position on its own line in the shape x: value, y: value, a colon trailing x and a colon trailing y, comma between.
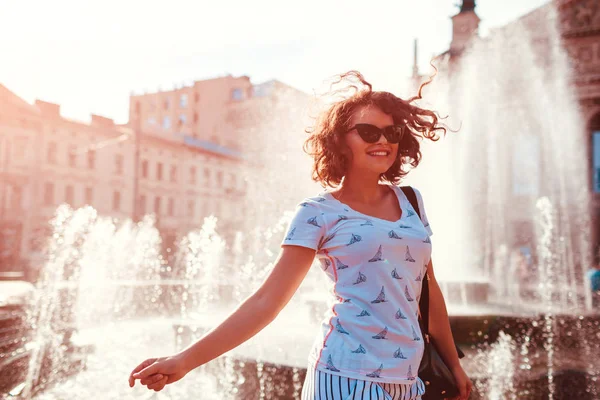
x: 251, y: 316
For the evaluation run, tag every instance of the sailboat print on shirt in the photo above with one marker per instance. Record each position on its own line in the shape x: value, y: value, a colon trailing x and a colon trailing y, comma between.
x: 313, y: 221
x: 408, y: 256
x: 340, y: 265
x: 427, y: 240
x: 415, y: 337
x: 364, y: 313
x: 367, y: 223
x: 410, y: 213
x: 409, y: 375
x: 321, y: 199
x: 395, y: 274
x: 361, y: 278
x: 381, y: 297
x: 340, y: 329
x: 419, y: 278
x: 330, y: 365
x: 325, y: 263
x: 402, y: 226
x: 291, y: 234
x: 393, y: 235
x: 354, y: 239
x: 360, y: 350
x: 398, y: 354
x: 408, y: 296
x: 400, y: 315
x: 377, y: 256
x: 376, y: 373
x: 382, y: 334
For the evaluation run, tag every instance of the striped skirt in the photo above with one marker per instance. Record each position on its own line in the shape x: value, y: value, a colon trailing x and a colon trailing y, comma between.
x: 320, y: 385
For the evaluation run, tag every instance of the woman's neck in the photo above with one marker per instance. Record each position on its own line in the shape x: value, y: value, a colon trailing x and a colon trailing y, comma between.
x: 364, y: 189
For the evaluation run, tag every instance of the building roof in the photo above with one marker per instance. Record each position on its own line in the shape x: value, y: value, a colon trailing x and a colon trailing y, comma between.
x: 10, y: 100
x: 212, y: 147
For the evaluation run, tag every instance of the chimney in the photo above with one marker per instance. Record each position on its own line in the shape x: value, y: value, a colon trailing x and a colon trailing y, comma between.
x: 48, y: 109
x: 415, y: 61
x: 98, y: 120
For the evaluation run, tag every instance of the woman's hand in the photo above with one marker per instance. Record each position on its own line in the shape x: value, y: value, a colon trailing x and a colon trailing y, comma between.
x: 463, y: 383
x: 158, y: 372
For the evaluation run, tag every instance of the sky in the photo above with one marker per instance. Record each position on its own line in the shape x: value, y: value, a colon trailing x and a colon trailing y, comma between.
x: 89, y: 56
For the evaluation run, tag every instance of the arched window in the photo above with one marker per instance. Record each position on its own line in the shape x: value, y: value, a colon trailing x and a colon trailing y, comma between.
x: 595, y: 131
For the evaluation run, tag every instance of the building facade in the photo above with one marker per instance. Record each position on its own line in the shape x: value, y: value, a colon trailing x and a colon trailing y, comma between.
x: 578, y: 23
x: 177, y: 158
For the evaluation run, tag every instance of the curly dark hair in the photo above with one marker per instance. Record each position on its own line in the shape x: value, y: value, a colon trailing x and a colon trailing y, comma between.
x: 326, y: 142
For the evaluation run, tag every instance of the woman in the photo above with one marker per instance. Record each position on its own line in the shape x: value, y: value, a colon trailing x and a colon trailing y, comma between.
x: 373, y: 247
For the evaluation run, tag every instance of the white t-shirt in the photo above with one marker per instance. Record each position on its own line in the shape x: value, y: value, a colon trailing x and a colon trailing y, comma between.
x: 371, y: 331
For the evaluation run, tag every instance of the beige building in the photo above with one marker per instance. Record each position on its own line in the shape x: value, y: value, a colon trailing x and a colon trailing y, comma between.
x: 191, y: 163
x: 47, y: 160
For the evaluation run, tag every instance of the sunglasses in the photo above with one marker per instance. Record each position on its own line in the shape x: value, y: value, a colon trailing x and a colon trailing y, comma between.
x: 371, y: 134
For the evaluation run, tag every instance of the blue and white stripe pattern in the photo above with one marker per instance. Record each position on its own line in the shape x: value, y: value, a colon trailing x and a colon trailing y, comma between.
x: 320, y: 385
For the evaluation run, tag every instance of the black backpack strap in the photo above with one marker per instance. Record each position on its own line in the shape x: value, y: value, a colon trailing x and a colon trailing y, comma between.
x: 410, y: 194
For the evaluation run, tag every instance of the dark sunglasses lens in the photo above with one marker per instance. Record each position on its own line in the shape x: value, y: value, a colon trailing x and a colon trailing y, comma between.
x: 368, y: 133
x: 393, y: 133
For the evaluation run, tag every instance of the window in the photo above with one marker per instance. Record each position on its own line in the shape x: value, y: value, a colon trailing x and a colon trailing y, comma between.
x: 166, y: 122
x: 526, y: 166
x: 191, y: 208
x: 69, y: 194
x: 196, y: 97
x: 157, y: 205
x: 151, y: 121
x: 195, y: 117
x: 596, y: 160
x: 167, y: 104
x: 142, y: 205
x: 173, y: 173
x: 183, y: 100
x: 72, y: 157
x: 19, y: 149
x: 145, y: 169
x: 159, y: 171
x: 220, y: 178
x: 116, y: 201
x: 91, y: 159
x: 192, y: 175
x: 15, y: 197
x: 182, y: 119
x: 171, y: 207
x: 49, y: 194
x: 89, y: 196
x: 237, y: 94
x: 51, y: 155
x: 119, y: 164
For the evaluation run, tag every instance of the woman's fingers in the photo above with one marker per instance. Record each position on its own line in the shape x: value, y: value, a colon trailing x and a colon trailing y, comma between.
x: 151, y: 379
x: 147, y: 371
x: 137, y: 369
x: 159, y: 385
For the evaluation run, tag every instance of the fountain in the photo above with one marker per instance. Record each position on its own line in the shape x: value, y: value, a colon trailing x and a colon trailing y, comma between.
x: 511, y: 251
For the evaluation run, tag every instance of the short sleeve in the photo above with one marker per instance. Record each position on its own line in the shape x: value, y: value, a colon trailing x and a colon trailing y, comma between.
x: 307, y: 227
x: 423, y: 212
